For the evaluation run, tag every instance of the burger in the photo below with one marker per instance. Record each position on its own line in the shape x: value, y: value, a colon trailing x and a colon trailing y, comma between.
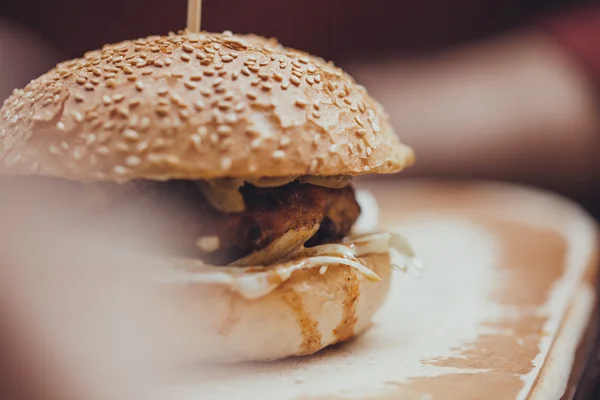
x: 255, y: 147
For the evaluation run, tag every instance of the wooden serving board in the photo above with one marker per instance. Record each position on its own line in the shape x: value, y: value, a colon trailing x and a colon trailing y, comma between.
x: 506, y: 299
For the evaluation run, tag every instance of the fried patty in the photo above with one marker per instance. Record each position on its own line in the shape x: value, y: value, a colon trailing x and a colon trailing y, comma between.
x: 196, y: 229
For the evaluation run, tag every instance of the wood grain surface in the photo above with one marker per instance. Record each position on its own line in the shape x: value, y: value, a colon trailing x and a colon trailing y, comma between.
x: 500, y: 312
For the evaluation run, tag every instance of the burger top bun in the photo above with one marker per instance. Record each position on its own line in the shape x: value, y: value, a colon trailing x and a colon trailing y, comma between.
x: 196, y: 106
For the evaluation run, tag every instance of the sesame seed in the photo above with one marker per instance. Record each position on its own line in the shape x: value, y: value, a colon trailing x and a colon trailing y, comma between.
x: 234, y: 75
x: 217, y: 82
x: 133, y: 121
x: 218, y: 66
x: 348, y: 101
x: 226, y: 164
x: 199, y: 105
x: 89, y: 86
x: 162, y: 111
x: 316, y: 114
x: 144, y: 123
x: 303, y: 60
x: 317, y: 105
x: 369, y: 151
x: 141, y: 147
x: 117, y: 98
x: 353, y: 108
x: 162, y: 91
x: 133, y: 161
x: 251, y: 95
x: 106, y: 100
x: 311, y: 69
x: 228, y: 95
x: 120, y: 170
x: 158, y: 63
x: 278, y: 77
x: 54, y: 150
x: 78, y: 116
x: 185, y: 57
x: 147, y: 72
x: 359, y: 120
x: 253, y: 68
x: 111, y: 83
x: 196, y: 142
x: 279, y: 154
x: 132, y: 78
x: 200, y: 55
x: 188, y: 48
x: 123, y: 112
x: 205, y: 92
x: 190, y: 85
x: 196, y: 77
x: 130, y: 134
x: 301, y: 103
x: 80, y: 80
x: 60, y: 126
x: 266, y: 86
x: 209, y: 72
x: 295, y: 80
x: 226, y: 59
x: 97, y: 72
x: 361, y: 132
x: 297, y: 73
x: 285, y: 85
x: 79, y: 98
x: 206, y: 61
x: 224, y: 105
x: 159, y: 143
x: 296, y: 64
x: 310, y: 80
x: 246, y: 71
x: 231, y: 119
x: 224, y: 130
x: 283, y: 65
x: 255, y: 144
x: 285, y: 141
x: 184, y: 114
x: 361, y: 107
x: 103, y: 150
x: 367, y: 168
x: 317, y: 78
x: 90, y: 139
x: 139, y: 86
x: 331, y: 86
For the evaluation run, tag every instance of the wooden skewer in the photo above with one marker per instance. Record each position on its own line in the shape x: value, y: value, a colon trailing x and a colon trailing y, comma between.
x: 194, y: 15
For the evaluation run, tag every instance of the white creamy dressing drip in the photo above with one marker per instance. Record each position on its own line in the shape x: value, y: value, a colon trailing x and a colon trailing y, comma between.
x: 256, y: 282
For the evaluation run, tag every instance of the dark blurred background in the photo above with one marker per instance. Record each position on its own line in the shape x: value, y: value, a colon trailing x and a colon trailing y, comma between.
x: 497, y: 89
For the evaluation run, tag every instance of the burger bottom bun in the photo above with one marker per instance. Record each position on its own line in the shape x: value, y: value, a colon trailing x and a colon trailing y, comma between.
x: 311, y: 310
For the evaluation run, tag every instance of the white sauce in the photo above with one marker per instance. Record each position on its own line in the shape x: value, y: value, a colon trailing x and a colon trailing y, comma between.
x: 256, y: 282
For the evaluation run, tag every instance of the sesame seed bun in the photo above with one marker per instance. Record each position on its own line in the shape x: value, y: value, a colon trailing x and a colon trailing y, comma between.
x: 196, y: 106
